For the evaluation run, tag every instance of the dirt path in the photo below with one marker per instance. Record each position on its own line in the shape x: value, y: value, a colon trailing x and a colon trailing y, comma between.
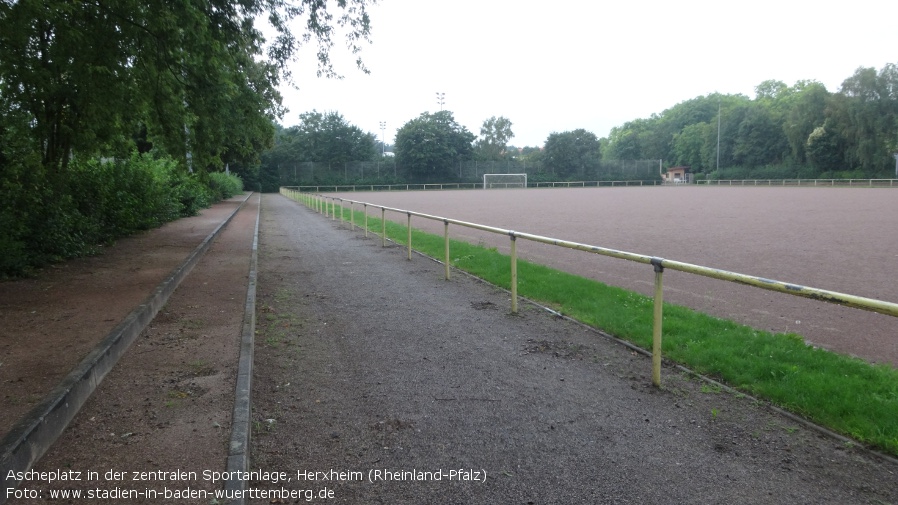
x: 167, y: 404
x: 369, y: 363
x: 50, y: 322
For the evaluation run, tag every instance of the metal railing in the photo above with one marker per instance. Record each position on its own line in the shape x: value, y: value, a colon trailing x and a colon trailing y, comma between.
x: 327, y: 205
x: 871, y: 183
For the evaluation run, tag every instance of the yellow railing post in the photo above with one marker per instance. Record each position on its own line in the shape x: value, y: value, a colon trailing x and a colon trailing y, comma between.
x: 366, y: 219
x: 658, y: 317
x: 446, y: 241
x: 341, y: 212
x: 514, y: 273
x: 352, y: 216
x: 383, y: 227
x: 409, y: 236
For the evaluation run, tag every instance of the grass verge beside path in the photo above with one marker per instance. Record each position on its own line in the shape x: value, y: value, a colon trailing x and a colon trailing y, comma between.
x: 847, y: 395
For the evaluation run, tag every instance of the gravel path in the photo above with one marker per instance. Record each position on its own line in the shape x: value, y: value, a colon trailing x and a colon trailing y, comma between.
x: 367, y: 362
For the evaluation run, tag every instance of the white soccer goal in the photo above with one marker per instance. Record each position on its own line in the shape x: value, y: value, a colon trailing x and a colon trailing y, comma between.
x: 493, y: 181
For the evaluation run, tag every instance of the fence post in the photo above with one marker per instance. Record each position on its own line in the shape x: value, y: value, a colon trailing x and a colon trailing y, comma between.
x: 409, y: 235
x: 366, y: 219
x: 446, y: 241
x: 514, y: 273
x: 352, y: 216
x: 341, y: 212
x: 383, y: 227
x: 658, y: 317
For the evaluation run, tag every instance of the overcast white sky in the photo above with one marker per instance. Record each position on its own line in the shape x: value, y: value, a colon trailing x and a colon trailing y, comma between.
x: 559, y: 65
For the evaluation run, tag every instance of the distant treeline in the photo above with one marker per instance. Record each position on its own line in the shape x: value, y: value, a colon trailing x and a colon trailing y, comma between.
x: 785, y: 132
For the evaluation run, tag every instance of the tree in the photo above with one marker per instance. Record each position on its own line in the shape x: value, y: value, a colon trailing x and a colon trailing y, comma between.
x: 694, y: 147
x: 329, y: 138
x: 825, y: 149
x: 531, y: 154
x: 865, y: 113
x: 430, y: 146
x: 494, y: 136
x: 624, y: 142
x: 80, y: 78
x: 771, y: 90
x: 760, y: 139
x: 806, y: 111
x: 571, y: 153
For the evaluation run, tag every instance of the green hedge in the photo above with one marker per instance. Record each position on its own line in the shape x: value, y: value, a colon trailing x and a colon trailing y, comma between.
x: 224, y: 186
x: 48, y: 216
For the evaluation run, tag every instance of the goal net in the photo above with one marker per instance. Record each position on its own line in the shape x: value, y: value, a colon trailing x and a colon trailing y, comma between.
x: 493, y: 181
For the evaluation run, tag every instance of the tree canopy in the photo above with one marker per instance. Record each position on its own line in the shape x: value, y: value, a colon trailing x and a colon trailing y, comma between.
x: 494, y: 136
x: 430, y: 146
x: 328, y: 138
x: 84, y: 78
x: 570, y: 153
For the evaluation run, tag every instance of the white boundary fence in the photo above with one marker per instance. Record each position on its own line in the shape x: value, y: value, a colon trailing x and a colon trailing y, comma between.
x: 871, y: 183
x: 327, y: 205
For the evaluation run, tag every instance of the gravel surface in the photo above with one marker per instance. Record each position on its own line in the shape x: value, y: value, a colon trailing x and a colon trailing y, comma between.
x: 367, y: 362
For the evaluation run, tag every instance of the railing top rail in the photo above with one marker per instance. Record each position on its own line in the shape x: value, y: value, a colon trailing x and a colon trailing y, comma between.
x: 859, y: 302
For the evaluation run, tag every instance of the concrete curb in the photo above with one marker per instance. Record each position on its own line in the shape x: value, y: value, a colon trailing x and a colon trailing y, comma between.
x: 239, y: 449
x: 32, y: 436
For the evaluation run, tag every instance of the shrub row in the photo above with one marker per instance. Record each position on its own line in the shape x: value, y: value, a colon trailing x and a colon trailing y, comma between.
x: 48, y: 216
x: 787, y: 171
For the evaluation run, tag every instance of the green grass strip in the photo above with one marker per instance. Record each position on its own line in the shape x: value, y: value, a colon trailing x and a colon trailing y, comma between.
x: 845, y: 394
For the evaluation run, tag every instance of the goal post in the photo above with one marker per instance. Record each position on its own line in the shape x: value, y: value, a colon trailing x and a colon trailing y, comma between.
x: 496, y: 181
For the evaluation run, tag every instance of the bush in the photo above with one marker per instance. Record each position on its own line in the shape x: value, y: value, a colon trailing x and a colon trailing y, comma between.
x: 191, y: 194
x: 122, y: 197
x: 48, y: 216
x: 224, y: 185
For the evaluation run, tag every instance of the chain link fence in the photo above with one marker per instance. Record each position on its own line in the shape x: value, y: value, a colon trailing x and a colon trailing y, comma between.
x: 301, y: 173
